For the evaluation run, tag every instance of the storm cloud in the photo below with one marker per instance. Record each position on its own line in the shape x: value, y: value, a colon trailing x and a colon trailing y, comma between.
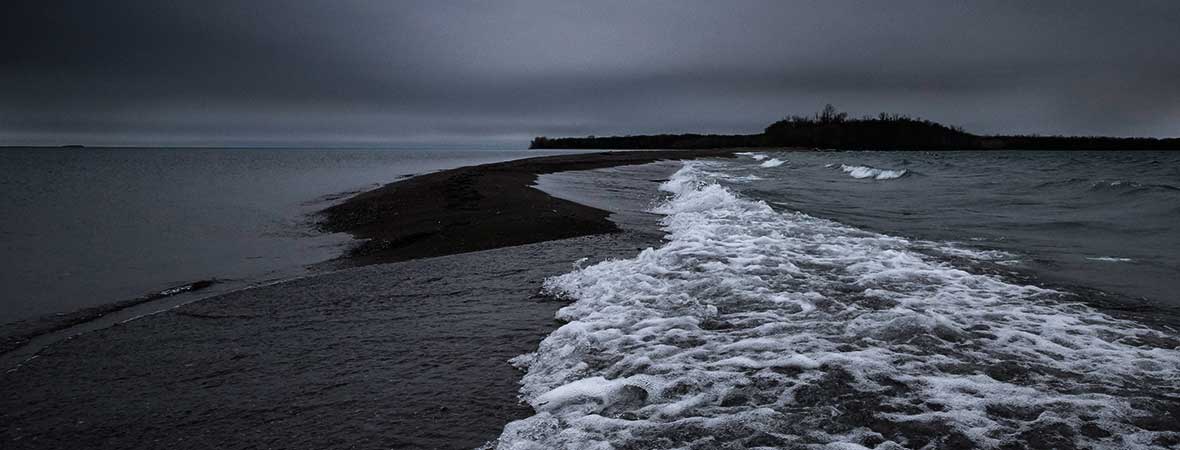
x: 401, y: 72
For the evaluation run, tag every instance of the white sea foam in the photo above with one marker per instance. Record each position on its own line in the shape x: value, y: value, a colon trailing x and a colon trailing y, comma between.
x: 755, y: 328
x: 773, y: 162
x: 756, y: 156
x: 952, y: 249
x: 871, y: 172
x: 745, y: 178
x: 1110, y: 259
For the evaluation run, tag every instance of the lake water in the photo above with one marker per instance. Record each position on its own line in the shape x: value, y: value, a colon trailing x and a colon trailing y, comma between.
x: 83, y: 227
x: 1106, y: 220
x: 876, y: 300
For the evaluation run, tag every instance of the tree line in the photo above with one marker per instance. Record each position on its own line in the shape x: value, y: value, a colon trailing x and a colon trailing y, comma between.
x: 832, y: 129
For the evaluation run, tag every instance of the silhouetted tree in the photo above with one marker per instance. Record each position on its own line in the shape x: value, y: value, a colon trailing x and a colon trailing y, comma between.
x: 830, y: 115
x: 830, y: 128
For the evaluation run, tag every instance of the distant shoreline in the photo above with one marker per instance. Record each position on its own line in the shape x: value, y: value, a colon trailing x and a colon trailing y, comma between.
x: 831, y: 129
x: 762, y: 141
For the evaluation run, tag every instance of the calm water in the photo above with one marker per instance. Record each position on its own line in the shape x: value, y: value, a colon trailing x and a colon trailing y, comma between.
x: 85, y: 227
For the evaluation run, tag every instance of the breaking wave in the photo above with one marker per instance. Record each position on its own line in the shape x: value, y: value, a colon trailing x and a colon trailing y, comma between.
x: 1110, y: 259
x: 756, y: 156
x: 773, y: 162
x: 752, y: 327
x: 871, y: 172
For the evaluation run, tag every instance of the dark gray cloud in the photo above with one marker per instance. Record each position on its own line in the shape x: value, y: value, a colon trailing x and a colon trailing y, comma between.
x: 369, y: 72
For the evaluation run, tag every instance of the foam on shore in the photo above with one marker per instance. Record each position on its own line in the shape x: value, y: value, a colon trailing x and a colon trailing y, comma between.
x: 757, y: 328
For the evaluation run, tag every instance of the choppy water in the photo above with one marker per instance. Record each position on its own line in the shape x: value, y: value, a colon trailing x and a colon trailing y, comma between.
x: 1106, y: 220
x: 761, y: 322
x: 81, y: 228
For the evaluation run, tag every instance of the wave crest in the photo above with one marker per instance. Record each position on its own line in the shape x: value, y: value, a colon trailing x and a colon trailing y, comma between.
x: 871, y: 172
x: 773, y: 162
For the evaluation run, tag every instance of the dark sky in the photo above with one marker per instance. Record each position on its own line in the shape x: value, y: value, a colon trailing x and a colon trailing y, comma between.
x: 265, y: 72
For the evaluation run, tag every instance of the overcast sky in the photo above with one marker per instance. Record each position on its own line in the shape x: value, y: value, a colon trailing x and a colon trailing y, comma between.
x: 334, y: 72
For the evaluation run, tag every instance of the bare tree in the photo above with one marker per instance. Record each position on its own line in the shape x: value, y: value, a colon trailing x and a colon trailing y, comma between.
x: 831, y: 115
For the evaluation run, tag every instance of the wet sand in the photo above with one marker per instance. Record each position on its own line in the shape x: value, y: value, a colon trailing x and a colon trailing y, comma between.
x: 403, y: 355
x: 411, y: 354
x: 478, y: 208
x: 14, y: 335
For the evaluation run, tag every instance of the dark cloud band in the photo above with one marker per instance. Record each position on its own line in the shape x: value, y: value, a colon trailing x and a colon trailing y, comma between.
x: 225, y: 72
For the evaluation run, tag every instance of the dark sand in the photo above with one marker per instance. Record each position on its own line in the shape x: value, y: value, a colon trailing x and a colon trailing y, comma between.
x: 404, y: 355
x: 478, y: 207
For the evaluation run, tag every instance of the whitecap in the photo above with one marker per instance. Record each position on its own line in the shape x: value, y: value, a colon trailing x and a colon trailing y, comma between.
x: 756, y: 156
x: 871, y: 172
x: 744, y: 178
x: 773, y: 162
x: 1110, y: 259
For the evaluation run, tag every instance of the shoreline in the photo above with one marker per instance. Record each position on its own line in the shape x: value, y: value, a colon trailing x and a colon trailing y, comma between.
x: 476, y: 208
x: 408, y: 354
x: 458, y: 210
x: 17, y: 334
x: 492, y: 204
x: 405, y: 355
x: 240, y: 216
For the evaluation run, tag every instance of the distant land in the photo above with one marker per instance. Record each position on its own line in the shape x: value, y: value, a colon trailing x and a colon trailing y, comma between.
x: 835, y: 130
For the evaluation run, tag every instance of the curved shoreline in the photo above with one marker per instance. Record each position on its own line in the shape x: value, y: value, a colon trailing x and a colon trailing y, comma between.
x: 403, y: 355
x: 409, y: 355
x: 477, y: 208
x: 459, y: 210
